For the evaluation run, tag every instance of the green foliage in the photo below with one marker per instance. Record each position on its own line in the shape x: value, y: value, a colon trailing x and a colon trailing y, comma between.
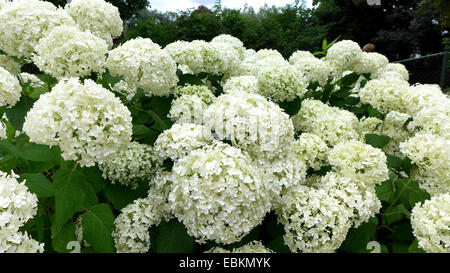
x: 97, y: 226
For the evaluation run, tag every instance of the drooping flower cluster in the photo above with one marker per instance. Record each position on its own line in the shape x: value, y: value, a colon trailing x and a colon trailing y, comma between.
x: 431, y: 222
x: 17, y: 206
x: 69, y: 52
x: 145, y: 65
x: 10, y: 90
x: 218, y: 194
x: 87, y: 122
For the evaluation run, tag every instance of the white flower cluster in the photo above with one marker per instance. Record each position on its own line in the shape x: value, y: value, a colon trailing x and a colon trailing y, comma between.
x: 252, y: 247
x: 392, y: 70
x: 69, y: 52
x: 331, y: 124
x: 342, y: 55
x: 314, y: 69
x: 201, y: 91
x: 17, y: 206
x: 431, y: 223
x: 10, y: 90
x: 237, y: 44
x: 87, y: 121
x: 392, y: 126
x: 300, y: 56
x: 145, y: 65
x: 187, y: 109
x: 9, y: 64
x: 130, y: 166
x: 313, y: 221
x: 180, y: 140
x: 254, y: 61
x: 281, y: 82
x: 311, y: 149
x: 24, y: 22
x: 371, y: 63
x: 431, y: 154
x: 251, y: 123
x: 98, y: 17
x: 218, y: 194
x: 247, y: 84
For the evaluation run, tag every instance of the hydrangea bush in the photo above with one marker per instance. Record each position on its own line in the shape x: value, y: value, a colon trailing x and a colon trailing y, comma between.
x: 207, y: 146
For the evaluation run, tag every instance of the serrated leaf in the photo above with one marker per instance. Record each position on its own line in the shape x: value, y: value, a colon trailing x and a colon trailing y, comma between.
x: 172, y: 237
x: 98, y: 227
x: 385, y: 192
x: 377, y: 141
x: 16, y: 114
x: 39, y: 184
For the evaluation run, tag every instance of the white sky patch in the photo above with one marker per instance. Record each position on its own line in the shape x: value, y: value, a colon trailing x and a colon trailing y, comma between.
x: 174, y: 5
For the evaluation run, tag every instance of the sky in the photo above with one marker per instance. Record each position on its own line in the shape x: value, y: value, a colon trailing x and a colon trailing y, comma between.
x: 174, y: 5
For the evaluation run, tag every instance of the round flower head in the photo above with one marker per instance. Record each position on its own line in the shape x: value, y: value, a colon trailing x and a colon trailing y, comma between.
x: 233, y: 41
x: 393, y: 126
x: 187, y: 54
x: 422, y: 96
x: 87, y: 121
x: 247, y: 84
x: 281, y: 82
x: 431, y: 223
x: 201, y: 91
x: 315, y: 70
x: 431, y: 154
x: 435, y: 120
x: 31, y: 79
x: 252, y: 65
x: 311, y: 149
x: 9, y: 64
x: 344, y: 53
x: 218, y: 194
x: 392, y: 70
x: 252, y: 247
x: 250, y: 122
x: 24, y: 23
x: 313, y: 221
x: 220, y: 58
x: 359, y: 199
x: 180, y: 140
x: 362, y: 161
x: 300, y: 56
x: 97, y: 16
x: 131, y: 227
x: 386, y: 94
x: 145, y: 65
x: 331, y: 124
x: 370, y: 125
x: 131, y: 165
x: 69, y: 52
x: 10, y: 90
x: 369, y: 63
x: 187, y: 109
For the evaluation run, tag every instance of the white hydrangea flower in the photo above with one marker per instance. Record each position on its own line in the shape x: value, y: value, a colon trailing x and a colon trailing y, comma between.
x: 281, y: 82
x: 392, y: 70
x: 343, y: 54
x: 393, y: 127
x: 386, y: 94
x: 237, y: 44
x: 300, y: 56
x: 87, y: 121
x: 9, y: 64
x: 31, y: 79
x: 10, y: 90
x: 17, y: 206
x: 24, y: 22
x: 369, y: 63
x: 130, y: 166
x: 247, y: 84
x: 180, y: 140
x: 253, y: 63
x: 435, y: 120
x: 126, y: 89
x: 359, y: 199
x: 431, y: 224
x: 422, y: 96
x: 97, y: 16
x: 201, y: 91
x: 250, y: 122
x: 313, y: 221
x: 131, y: 227
x: 331, y: 124
x: 431, y: 154
x: 359, y: 160
x: 252, y: 247
x: 220, y: 58
x: 311, y: 149
x: 145, y: 65
x: 187, y: 54
x: 314, y: 69
x: 218, y: 194
x: 158, y: 194
x: 68, y: 52
x: 370, y: 125
x: 187, y: 109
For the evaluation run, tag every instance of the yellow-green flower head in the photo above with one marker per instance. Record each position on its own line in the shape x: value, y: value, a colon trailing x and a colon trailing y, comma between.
x: 343, y: 54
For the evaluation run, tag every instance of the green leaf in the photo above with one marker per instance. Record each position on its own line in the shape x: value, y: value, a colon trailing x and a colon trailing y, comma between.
x: 120, y: 196
x: 293, y: 107
x: 394, y: 162
x: 98, y: 227
x: 38, y: 91
x: 396, y: 214
x: 39, y: 184
x: 374, y: 113
x: 39, y: 153
x: 358, y: 238
x: 94, y: 178
x: 385, y: 191
x: 8, y: 148
x: 350, y: 79
x: 402, y: 231
x: 278, y: 245
x: 172, y: 237
x: 415, y: 248
x: 16, y: 115
x: 61, y: 238
x: 377, y: 141
x: 189, y: 79
x: 69, y: 195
